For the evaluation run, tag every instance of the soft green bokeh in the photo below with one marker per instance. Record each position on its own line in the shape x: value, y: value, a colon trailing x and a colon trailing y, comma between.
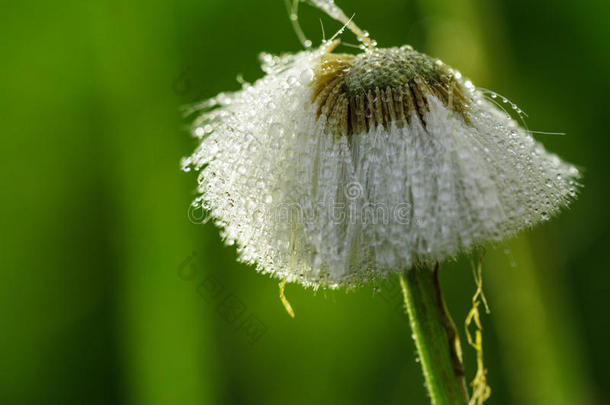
x: 107, y: 288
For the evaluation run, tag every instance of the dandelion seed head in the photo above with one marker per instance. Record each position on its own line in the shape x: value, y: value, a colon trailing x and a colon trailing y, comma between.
x: 336, y: 169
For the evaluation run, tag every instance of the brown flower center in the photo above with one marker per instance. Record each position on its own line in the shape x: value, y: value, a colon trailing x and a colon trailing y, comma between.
x: 382, y: 87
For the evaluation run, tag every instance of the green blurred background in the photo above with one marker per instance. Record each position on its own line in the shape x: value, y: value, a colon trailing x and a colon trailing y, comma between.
x: 110, y: 294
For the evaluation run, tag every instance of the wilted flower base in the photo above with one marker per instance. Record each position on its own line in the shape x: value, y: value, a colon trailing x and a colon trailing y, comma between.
x: 412, y: 173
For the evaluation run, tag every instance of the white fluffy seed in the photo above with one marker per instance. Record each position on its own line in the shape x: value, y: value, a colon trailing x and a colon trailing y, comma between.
x: 307, y: 203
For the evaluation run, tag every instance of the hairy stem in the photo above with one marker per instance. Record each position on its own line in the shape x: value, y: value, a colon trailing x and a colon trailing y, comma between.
x: 435, y: 335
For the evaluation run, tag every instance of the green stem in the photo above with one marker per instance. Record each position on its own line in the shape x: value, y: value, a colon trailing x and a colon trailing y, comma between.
x: 436, y: 338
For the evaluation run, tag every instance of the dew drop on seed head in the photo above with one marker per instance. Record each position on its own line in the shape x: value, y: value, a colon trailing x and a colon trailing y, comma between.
x: 291, y: 81
x: 276, y: 130
x: 307, y: 76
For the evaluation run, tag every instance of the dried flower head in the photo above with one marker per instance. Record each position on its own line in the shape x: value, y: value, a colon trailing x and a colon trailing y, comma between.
x: 338, y: 168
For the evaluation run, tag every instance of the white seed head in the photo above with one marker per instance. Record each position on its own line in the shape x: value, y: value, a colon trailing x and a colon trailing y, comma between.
x: 335, y: 169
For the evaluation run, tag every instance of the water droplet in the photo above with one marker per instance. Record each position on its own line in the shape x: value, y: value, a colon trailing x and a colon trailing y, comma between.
x: 276, y: 130
x: 306, y: 76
